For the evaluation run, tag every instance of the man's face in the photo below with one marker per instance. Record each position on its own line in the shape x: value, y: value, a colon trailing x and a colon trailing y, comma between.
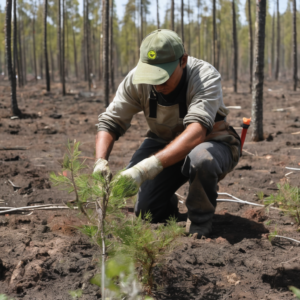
x: 170, y: 85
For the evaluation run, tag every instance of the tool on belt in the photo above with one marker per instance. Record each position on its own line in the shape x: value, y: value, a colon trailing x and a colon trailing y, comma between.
x: 245, y: 126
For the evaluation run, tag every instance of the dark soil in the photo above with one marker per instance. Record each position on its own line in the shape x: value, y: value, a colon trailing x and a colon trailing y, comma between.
x: 43, y: 256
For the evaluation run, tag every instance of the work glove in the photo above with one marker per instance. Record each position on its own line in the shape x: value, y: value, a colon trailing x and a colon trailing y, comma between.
x: 147, y: 169
x: 101, y: 166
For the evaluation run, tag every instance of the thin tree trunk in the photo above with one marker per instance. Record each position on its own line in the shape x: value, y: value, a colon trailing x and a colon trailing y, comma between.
x: 63, y: 80
x: 20, y: 74
x: 15, y: 45
x: 111, y: 47
x: 67, y: 42
x: 88, y: 51
x: 45, y: 46
x: 250, y: 45
x: 258, y: 80
x: 157, y: 14
x: 11, y: 75
x: 24, y: 55
x: 189, y: 28
x: 105, y: 53
x: 182, y: 21
x: 172, y: 14
x: 59, y: 66
x: 278, y: 43
x: 142, y: 20
x: 33, y: 42
x: 52, y: 61
x: 235, y: 50
x: 273, y: 43
x: 295, y: 44
x: 85, y: 41
x: 218, y: 44
x: 74, y: 50
x: 199, y: 29
x: 214, y: 34
x: 41, y: 67
x: 100, y: 52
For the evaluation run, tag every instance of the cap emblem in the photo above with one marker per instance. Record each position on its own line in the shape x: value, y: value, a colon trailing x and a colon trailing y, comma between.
x: 152, y: 54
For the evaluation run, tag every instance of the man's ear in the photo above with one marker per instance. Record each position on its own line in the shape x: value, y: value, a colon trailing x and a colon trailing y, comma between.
x: 184, y: 60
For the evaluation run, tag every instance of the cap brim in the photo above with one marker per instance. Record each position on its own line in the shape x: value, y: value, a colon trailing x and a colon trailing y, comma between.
x: 153, y: 74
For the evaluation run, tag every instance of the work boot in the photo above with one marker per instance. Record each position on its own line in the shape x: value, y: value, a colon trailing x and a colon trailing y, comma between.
x: 202, y: 229
x: 175, y: 212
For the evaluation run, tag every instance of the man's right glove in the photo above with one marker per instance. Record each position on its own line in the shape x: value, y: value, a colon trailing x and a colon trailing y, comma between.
x: 101, y: 166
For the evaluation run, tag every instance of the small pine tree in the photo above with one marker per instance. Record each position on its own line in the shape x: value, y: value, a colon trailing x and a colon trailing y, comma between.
x: 108, y: 226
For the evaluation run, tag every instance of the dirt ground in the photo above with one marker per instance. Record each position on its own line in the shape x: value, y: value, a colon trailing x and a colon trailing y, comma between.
x: 43, y: 256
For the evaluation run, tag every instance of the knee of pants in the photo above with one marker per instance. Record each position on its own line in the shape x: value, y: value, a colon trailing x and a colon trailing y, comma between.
x: 204, y: 164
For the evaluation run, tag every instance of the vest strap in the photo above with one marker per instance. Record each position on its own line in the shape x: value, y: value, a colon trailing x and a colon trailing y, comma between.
x: 153, y: 105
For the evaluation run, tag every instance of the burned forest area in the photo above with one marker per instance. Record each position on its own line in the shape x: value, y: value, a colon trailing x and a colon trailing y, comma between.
x: 88, y: 212
x: 43, y: 255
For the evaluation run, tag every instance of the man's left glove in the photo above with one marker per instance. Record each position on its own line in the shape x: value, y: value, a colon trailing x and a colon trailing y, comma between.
x: 147, y: 169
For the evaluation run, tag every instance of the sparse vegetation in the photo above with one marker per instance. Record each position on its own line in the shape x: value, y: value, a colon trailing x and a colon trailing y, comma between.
x: 287, y: 199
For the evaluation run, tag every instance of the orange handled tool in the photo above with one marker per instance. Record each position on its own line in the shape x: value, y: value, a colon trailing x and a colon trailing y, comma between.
x: 245, y: 126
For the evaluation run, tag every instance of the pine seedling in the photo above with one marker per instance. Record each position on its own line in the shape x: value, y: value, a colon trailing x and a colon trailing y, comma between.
x: 272, y: 235
x: 108, y: 226
x: 287, y: 199
x: 260, y: 195
x: 295, y: 291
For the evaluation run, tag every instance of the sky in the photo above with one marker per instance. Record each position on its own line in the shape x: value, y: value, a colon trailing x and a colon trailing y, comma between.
x: 163, y: 4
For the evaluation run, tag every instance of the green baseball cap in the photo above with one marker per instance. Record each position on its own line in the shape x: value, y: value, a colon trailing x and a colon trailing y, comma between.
x: 159, y: 55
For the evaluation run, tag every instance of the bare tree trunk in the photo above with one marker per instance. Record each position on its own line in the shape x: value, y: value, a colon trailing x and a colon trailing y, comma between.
x: 105, y: 52
x: 182, y: 21
x: 41, y: 66
x: 295, y: 44
x: 214, y: 34
x: 15, y: 45
x: 189, y: 28
x: 63, y: 80
x: 235, y: 48
x: 172, y: 14
x: 87, y: 41
x: 278, y: 43
x: 111, y: 47
x: 142, y: 20
x: 33, y: 42
x: 45, y: 46
x: 24, y: 54
x: 59, y: 66
x: 218, y: 43
x: 67, y: 60
x: 20, y: 74
x: 250, y: 45
x: 258, y: 81
x: 75, y: 52
x: 273, y: 43
x: 157, y: 14
x: 52, y: 61
x: 199, y: 29
x: 11, y: 75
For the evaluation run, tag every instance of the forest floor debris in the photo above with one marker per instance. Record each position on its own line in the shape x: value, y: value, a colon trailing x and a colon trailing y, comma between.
x: 43, y: 256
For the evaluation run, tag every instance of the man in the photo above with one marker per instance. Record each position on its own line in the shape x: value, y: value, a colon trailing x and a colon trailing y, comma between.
x: 188, y: 137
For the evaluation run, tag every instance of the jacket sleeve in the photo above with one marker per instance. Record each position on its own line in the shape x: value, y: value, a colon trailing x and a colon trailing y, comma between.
x: 119, y: 113
x: 206, y: 96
